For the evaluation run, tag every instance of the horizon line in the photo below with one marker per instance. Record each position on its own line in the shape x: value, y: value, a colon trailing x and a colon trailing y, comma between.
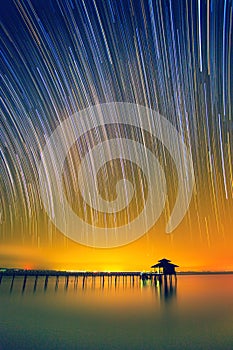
x: 188, y: 272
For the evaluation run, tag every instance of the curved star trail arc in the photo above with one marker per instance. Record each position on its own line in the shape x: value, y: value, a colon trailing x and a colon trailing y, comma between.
x: 60, y: 57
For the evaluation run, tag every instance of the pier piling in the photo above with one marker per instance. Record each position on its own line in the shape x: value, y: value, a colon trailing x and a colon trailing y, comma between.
x: 35, y: 284
x: 24, y: 283
x: 67, y: 282
x: 12, y: 283
x: 57, y: 282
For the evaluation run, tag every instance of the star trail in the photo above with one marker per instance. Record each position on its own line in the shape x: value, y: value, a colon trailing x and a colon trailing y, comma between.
x: 60, y: 57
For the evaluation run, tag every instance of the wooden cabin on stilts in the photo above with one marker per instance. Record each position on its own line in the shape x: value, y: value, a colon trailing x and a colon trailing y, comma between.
x: 166, y: 269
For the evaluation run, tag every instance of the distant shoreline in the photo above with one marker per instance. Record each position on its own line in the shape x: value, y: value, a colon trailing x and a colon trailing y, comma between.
x: 205, y: 273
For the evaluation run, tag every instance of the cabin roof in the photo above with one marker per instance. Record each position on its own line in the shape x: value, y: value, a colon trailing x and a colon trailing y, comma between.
x: 164, y: 260
x: 164, y: 264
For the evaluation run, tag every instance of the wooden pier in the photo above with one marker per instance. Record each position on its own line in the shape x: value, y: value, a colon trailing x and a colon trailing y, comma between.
x: 81, y: 278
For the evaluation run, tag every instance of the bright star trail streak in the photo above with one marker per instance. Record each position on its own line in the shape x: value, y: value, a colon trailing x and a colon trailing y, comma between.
x: 60, y: 57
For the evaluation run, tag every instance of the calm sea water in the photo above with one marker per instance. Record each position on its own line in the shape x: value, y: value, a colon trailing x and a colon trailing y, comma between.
x: 196, y: 313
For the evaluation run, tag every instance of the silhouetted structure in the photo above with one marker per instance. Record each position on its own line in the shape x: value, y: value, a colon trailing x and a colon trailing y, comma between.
x: 167, y: 267
x: 65, y: 278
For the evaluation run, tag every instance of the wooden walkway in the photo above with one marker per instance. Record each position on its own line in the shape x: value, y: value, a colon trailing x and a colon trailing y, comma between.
x: 65, y: 273
x: 104, y: 277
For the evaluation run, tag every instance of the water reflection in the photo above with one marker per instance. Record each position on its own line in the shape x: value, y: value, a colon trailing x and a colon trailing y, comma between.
x: 168, y: 290
x: 133, y: 313
x: 165, y: 287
